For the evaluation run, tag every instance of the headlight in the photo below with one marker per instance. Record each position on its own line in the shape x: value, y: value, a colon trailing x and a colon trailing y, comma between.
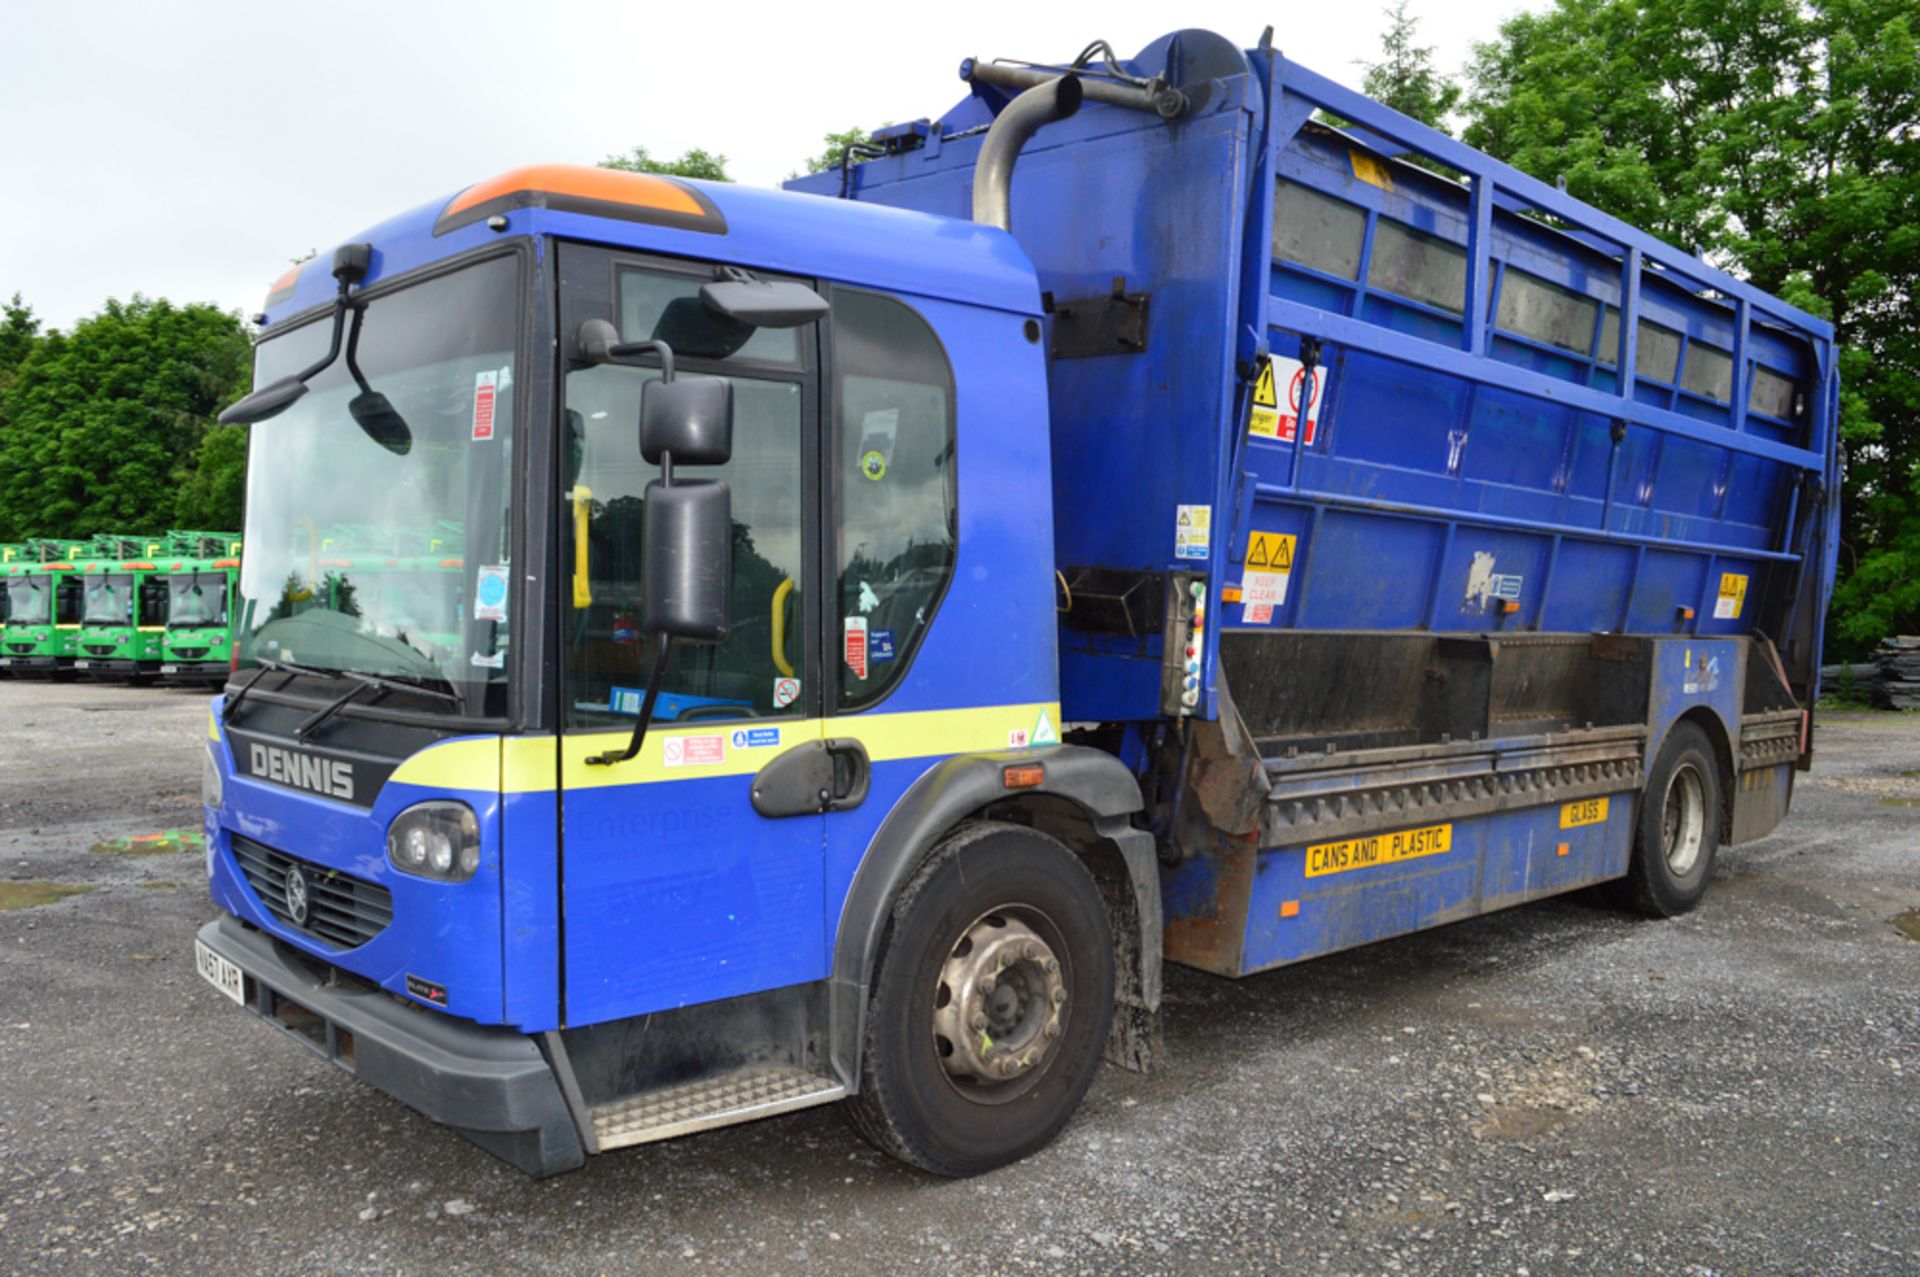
x: 435, y: 840
x: 210, y: 792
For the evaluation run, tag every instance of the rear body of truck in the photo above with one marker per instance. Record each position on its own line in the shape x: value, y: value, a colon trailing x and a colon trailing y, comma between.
x: 1254, y: 554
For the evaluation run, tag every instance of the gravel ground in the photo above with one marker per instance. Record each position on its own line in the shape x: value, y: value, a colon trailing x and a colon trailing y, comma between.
x: 1555, y: 1089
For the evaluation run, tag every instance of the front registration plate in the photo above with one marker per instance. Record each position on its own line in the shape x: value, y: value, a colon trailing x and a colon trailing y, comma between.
x: 83, y: 665
x: 169, y: 669
x: 220, y: 973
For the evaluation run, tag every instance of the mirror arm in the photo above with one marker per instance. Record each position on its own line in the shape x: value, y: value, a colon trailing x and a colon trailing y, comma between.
x: 639, y: 737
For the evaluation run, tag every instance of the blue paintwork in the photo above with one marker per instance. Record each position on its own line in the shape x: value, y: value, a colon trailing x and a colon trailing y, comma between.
x: 1442, y: 436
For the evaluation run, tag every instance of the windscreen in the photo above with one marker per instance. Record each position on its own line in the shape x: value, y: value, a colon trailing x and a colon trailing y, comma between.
x: 107, y: 600
x: 29, y: 600
x: 378, y: 548
x: 197, y: 598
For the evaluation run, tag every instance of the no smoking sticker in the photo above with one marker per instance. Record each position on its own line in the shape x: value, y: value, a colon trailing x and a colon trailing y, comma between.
x: 1274, y: 417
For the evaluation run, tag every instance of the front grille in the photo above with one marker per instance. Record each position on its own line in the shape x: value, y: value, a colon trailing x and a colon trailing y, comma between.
x: 343, y: 912
x: 20, y: 647
x: 190, y: 653
x: 99, y: 649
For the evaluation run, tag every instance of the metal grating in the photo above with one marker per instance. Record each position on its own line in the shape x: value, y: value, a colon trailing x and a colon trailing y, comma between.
x: 741, y: 1096
x: 343, y: 912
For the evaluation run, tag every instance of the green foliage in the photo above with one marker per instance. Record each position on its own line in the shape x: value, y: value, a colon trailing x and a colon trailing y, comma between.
x: 102, y: 427
x: 1404, y: 78
x: 696, y: 163
x: 18, y: 332
x: 214, y: 492
x: 1781, y: 138
x: 836, y: 145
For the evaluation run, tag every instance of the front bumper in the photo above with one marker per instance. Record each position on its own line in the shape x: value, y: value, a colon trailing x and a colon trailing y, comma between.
x: 110, y: 667
x: 492, y: 1085
x: 29, y: 664
x: 195, y: 671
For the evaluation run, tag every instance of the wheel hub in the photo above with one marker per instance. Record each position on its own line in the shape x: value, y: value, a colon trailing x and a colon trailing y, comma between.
x: 1683, y: 819
x: 999, y: 1002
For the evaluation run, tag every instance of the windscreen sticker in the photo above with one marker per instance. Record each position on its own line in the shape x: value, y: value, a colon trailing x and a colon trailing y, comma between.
x: 485, y: 386
x: 879, y: 645
x: 877, y: 433
x: 856, y: 646
x: 491, y: 661
x: 1273, y: 417
x: 785, y: 692
x: 490, y: 593
x: 1193, y: 532
x: 1733, y: 596
x: 693, y: 751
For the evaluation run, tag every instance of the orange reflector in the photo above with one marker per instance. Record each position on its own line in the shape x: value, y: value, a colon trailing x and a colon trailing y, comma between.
x: 282, y: 288
x: 1508, y: 607
x: 1230, y: 594
x: 1289, y: 908
x: 226, y: 563
x: 575, y: 188
x: 137, y: 567
x: 1686, y: 614
x: 1561, y: 850
x: 1022, y: 775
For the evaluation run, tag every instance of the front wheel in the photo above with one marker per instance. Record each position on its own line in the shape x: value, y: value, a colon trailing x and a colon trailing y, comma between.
x: 989, y: 1009
x: 1679, y: 827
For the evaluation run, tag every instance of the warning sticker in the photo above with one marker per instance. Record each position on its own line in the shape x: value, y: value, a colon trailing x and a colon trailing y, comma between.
x: 785, y: 692
x: 756, y: 738
x: 1588, y: 811
x: 1378, y: 849
x: 1263, y: 586
x: 485, y: 386
x: 1193, y: 532
x: 1369, y: 170
x: 1733, y: 596
x: 1286, y: 394
x: 693, y: 751
x: 1043, y: 731
x: 490, y: 593
x: 856, y: 646
x: 1019, y: 738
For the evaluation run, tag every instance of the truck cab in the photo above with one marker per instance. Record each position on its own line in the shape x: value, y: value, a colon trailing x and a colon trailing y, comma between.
x: 197, y: 643
x: 122, y: 620
x: 43, y: 619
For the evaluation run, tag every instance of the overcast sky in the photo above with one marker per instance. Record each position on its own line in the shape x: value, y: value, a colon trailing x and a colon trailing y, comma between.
x: 191, y: 150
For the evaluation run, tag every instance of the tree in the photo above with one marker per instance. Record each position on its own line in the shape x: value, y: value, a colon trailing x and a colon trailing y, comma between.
x: 1781, y: 138
x: 1404, y: 78
x: 695, y: 163
x: 836, y: 146
x: 18, y: 332
x: 103, y: 425
x: 214, y: 488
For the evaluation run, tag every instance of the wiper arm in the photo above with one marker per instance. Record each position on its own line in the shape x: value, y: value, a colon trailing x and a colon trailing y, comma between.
x: 362, y: 682
x: 267, y: 667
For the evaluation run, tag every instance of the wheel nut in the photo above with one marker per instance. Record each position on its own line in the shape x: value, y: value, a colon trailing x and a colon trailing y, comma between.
x: 1053, y: 966
x: 988, y: 984
x: 1059, y: 997
x: 1031, y: 953
x: 978, y: 1024
x: 1053, y: 1028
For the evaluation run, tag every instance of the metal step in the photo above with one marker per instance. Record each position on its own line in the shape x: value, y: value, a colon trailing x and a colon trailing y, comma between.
x: 741, y: 1096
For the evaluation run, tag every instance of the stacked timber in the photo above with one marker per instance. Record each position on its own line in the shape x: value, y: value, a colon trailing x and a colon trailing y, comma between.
x: 1896, y: 683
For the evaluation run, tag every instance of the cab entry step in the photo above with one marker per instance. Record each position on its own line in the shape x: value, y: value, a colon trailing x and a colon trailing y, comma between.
x: 739, y: 1096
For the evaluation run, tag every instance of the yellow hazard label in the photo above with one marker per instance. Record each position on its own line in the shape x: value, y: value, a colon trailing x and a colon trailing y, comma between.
x: 1588, y: 811
x: 1271, y: 552
x: 1370, y: 170
x: 1264, y: 417
x: 1733, y: 596
x: 1378, y: 849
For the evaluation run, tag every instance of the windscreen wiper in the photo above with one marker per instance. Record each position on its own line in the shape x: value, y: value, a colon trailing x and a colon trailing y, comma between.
x: 267, y: 667
x: 361, y: 683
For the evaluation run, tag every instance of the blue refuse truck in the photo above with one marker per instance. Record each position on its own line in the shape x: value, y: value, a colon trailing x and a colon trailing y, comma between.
x: 875, y: 625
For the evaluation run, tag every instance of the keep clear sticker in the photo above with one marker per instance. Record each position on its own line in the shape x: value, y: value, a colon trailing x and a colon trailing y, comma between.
x: 1263, y: 586
x: 490, y: 593
x: 486, y: 386
x: 1192, y: 531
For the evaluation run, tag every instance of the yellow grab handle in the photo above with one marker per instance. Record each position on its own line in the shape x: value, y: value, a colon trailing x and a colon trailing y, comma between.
x: 780, y: 661
x: 582, y: 511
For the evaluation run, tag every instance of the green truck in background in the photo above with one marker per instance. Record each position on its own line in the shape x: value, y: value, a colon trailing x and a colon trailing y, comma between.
x: 199, y: 574
x: 43, y: 609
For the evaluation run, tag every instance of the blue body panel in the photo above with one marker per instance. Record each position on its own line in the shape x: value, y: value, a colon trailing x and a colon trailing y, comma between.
x: 1446, y: 433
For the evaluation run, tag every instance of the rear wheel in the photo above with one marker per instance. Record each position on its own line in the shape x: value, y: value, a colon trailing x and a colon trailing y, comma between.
x: 989, y: 1009
x: 1679, y: 827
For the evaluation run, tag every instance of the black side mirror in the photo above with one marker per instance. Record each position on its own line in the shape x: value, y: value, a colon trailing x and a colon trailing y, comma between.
x: 374, y: 413
x: 269, y: 401
x: 688, y: 559
x: 759, y: 303
x: 689, y: 419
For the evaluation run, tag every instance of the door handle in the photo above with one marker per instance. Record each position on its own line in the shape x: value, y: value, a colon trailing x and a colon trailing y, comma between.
x: 819, y: 776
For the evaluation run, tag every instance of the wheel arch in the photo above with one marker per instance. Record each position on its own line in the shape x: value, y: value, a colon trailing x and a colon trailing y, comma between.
x: 1716, y: 732
x: 1085, y: 800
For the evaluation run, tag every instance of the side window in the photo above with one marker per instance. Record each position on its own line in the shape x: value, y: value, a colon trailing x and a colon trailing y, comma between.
x: 894, y: 482
x: 608, y: 651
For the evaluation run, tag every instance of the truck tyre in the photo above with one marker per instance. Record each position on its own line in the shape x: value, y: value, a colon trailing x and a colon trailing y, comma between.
x: 1679, y: 826
x: 990, y: 1003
